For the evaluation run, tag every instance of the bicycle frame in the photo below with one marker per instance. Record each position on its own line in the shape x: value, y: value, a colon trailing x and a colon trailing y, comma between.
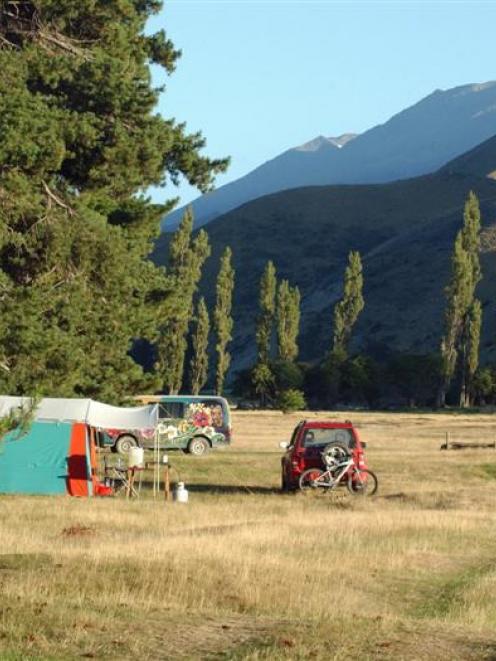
x: 335, y: 480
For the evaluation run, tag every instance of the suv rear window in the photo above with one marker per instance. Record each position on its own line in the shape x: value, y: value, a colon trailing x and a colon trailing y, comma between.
x: 320, y: 437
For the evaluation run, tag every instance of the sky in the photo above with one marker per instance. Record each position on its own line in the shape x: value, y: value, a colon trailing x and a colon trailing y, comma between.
x: 257, y: 77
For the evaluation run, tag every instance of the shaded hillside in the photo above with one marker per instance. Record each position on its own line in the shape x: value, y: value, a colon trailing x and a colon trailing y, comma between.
x: 405, y: 233
x: 416, y: 141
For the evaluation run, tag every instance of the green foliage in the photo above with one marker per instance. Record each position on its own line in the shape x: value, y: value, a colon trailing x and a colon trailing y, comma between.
x: 223, y: 319
x: 186, y: 259
x: 484, y: 385
x: 265, y: 322
x: 290, y: 400
x: 288, y: 320
x: 413, y: 378
x: 80, y: 143
x: 19, y: 419
x: 471, y: 235
x: 287, y: 375
x: 262, y: 380
x: 199, y: 361
x: 347, y: 310
x: 360, y: 381
x: 474, y: 322
x: 463, y: 316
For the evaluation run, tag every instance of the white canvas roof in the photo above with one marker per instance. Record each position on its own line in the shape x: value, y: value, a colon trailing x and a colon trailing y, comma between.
x: 93, y: 413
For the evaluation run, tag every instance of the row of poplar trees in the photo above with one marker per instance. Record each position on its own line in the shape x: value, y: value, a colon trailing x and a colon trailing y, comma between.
x: 280, y: 308
x: 187, y: 256
x: 459, y: 349
x: 279, y: 316
x: 81, y: 143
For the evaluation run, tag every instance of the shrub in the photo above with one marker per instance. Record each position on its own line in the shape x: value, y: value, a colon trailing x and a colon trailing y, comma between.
x: 290, y: 400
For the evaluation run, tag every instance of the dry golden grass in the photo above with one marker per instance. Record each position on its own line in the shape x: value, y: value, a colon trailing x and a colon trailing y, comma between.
x: 244, y: 572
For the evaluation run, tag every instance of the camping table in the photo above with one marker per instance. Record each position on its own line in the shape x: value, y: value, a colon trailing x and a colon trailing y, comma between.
x: 123, y: 480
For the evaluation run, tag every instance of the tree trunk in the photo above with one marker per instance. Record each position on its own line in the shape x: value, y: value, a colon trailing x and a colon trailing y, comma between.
x: 441, y: 397
x: 463, y: 386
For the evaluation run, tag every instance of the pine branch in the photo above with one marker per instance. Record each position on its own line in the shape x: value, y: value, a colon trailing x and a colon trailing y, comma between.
x: 63, y: 43
x: 8, y: 43
x: 57, y: 199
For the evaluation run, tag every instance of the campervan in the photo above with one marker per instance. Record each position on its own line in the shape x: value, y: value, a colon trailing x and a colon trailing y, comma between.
x: 192, y: 423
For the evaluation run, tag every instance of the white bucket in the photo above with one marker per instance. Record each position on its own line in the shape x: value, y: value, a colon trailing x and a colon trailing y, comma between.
x: 180, y: 493
x: 136, y: 458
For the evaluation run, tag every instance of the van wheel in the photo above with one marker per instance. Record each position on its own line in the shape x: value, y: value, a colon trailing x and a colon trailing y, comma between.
x: 198, y: 447
x: 125, y: 443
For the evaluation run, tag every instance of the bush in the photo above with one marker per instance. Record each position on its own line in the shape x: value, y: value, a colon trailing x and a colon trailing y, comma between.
x: 290, y: 400
x: 287, y: 375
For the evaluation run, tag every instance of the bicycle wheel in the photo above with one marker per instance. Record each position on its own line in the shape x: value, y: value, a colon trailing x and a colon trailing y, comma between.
x: 313, y: 478
x: 362, y: 482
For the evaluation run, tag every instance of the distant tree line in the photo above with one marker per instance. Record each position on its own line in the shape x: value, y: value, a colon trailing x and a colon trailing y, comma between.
x: 450, y: 376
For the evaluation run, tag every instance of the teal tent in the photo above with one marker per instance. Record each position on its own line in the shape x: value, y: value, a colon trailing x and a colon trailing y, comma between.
x: 51, y: 458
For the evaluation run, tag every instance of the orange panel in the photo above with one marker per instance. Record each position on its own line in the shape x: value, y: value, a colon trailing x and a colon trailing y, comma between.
x: 77, y: 480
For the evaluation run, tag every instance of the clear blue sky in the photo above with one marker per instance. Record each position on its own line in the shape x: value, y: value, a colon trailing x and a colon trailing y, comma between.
x: 260, y: 76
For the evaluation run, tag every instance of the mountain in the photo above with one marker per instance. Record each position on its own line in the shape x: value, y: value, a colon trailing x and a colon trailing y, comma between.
x: 404, y: 231
x: 416, y: 141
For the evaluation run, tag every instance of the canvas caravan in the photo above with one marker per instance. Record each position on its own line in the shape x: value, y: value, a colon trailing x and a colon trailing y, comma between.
x: 57, y: 455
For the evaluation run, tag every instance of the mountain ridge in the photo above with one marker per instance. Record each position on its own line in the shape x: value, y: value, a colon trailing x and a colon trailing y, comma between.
x: 415, y: 141
x: 404, y: 231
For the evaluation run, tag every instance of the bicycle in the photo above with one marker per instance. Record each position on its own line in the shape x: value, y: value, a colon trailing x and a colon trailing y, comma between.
x: 340, y: 466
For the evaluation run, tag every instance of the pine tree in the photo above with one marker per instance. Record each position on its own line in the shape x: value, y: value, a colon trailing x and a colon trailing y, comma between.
x: 288, y: 320
x: 348, y: 309
x: 199, y: 361
x: 81, y: 141
x: 186, y: 259
x: 265, y: 322
x: 463, y: 314
x: 223, y: 319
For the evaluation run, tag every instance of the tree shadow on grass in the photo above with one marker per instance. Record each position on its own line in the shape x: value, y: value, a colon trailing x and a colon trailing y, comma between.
x: 228, y: 489
x: 232, y: 489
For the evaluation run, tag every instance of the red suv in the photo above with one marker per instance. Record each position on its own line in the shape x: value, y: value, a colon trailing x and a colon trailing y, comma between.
x: 309, y: 438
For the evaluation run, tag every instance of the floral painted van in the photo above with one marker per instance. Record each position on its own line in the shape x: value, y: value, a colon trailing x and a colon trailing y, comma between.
x: 193, y: 423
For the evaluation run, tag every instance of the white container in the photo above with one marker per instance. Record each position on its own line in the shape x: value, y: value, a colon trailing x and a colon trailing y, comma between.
x: 180, y: 493
x: 136, y: 458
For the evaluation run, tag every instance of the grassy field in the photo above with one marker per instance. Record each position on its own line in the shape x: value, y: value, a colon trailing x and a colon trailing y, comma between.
x: 244, y: 572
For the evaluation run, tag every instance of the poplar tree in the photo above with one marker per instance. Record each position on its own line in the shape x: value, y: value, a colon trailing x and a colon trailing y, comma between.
x: 199, y: 361
x: 288, y: 320
x: 463, y: 314
x: 348, y: 309
x: 222, y: 318
x: 80, y: 142
x: 472, y: 351
x: 186, y: 259
x: 265, y: 322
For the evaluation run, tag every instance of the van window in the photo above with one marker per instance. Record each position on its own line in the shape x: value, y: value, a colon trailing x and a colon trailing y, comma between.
x: 207, y: 413
x: 167, y: 410
x: 201, y: 412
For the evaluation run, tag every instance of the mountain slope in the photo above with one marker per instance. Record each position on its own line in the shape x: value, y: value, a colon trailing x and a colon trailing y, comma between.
x: 416, y: 141
x: 404, y: 231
